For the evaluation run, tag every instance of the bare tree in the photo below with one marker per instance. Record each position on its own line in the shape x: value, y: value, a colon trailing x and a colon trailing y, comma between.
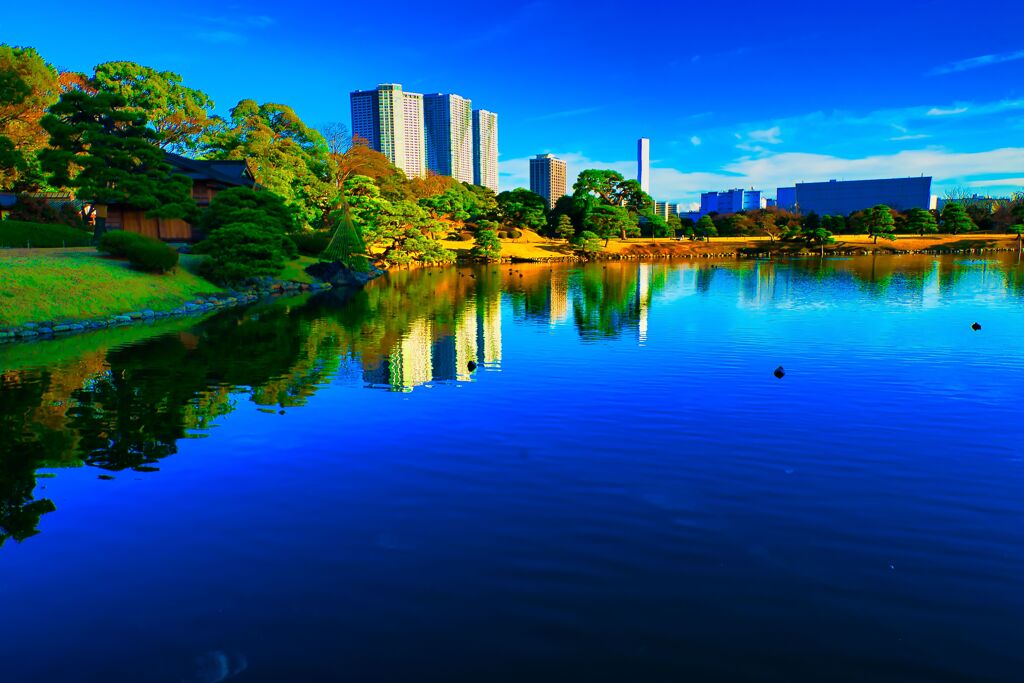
x: 337, y: 136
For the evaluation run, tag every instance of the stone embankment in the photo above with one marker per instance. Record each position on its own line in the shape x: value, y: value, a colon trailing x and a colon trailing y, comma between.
x: 255, y: 291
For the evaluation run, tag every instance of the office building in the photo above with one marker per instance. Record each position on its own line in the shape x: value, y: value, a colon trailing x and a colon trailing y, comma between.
x: 666, y: 209
x: 643, y: 164
x: 391, y: 122
x: 990, y: 204
x: 731, y: 201
x: 844, y: 197
x: 485, y: 149
x: 448, y: 133
x: 785, y: 198
x: 547, y: 177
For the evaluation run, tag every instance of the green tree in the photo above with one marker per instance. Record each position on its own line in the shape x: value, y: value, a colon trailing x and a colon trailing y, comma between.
x: 880, y: 223
x: 180, y: 115
x: 238, y: 251
x: 487, y: 246
x: 588, y: 242
x: 602, y: 184
x: 608, y: 221
x: 347, y: 243
x: 820, y: 236
x: 674, y: 225
x: 108, y: 154
x: 705, y: 229
x: 245, y: 205
x: 955, y: 219
x: 565, y: 229
x: 520, y: 208
x: 922, y: 221
x: 1018, y: 230
x: 284, y: 154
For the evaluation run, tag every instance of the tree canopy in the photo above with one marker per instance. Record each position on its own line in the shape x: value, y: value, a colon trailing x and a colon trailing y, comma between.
x: 180, y: 115
x: 107, y: 153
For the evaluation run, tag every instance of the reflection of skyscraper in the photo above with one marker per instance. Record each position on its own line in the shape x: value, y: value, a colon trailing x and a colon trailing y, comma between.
x: 559, y: 296
x: 489, y: 332
x: 410, y: 361
x: 643, y: 290
x: 465, y: 342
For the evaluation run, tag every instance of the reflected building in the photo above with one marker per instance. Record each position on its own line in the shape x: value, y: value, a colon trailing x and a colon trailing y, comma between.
x: 643, y: 293
x: 489, y: 331
x: 559, y: 297
x: 426, y: 354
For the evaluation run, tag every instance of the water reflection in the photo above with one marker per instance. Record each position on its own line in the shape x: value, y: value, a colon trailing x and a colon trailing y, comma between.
x: 123, y: 399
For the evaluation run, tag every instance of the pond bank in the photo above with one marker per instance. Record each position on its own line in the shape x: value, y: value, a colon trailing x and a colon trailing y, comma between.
x: 47, y: 329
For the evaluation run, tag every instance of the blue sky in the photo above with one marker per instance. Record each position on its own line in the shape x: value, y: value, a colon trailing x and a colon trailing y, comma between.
x: 738, y: 95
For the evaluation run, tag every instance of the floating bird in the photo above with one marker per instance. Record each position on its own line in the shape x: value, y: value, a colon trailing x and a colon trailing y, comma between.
x: 779, y: 372
x: 472, y: 276
x: 975, y: 327
x: 471, y: 365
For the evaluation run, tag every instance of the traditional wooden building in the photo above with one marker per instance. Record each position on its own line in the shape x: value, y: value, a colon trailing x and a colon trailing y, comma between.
x: 209, y: 176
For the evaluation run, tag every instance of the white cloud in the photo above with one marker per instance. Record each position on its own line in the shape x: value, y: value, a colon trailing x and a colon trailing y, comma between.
x: 695, y: 141
x: 1017, y: 183
x: 910, y: 136
x: 936, y: 111
x: 768, y: 135
x: 976, y: 63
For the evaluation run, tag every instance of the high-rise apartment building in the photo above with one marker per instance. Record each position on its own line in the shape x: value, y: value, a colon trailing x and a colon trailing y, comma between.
x: 547, y: 177
x: 643, y: 164
x: 448, y: 124
x: 666, y: 209
x: 485, y: 149
x: 391, y: 122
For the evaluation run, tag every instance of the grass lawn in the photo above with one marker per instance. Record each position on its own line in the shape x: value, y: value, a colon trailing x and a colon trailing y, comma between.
x: 51, y: 285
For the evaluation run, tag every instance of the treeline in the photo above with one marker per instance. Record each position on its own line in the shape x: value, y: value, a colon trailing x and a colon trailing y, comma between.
x: 103, y: 137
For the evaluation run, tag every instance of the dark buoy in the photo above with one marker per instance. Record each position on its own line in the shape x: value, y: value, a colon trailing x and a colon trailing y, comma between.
x: 975, y: 327
x: 471, y: 365
x: 779, y: 372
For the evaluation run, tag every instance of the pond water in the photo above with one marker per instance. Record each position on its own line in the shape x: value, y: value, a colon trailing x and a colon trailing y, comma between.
x: 314, y: 489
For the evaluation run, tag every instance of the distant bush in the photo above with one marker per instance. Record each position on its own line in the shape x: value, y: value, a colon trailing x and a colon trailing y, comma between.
x: 38, y: 210
x: 502, y: 235
x: 467, y: 235
x: 514, y: 233
x: 239, y: 251
x: 21, y: 234
x: 145, y: 253
x: 311, y: 243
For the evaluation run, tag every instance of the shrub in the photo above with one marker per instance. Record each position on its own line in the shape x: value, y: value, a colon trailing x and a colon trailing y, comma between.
x: 145, y: 253
x: 244, y: 205
x: 152, y: 256
x: 20, y: 234
x: 502, y: 235
x: 311, y: 243
x: 239, y: 251
x: 38, y: 210
x: 514, y: 233
x: 116, y: 242
x: 466, y: 235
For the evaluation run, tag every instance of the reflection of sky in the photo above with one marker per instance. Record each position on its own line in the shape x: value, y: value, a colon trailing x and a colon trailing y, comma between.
x: 634, y: 496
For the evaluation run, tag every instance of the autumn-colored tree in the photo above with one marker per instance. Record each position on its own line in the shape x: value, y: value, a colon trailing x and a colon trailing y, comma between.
x: 180, y: 115
x: 28, y: 86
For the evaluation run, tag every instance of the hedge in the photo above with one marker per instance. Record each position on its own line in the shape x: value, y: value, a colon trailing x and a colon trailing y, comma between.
x: 23, y: 234
x: 145, y: 253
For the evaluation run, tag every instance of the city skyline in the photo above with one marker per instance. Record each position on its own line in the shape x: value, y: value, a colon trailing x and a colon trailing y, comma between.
x: 912, y: 106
